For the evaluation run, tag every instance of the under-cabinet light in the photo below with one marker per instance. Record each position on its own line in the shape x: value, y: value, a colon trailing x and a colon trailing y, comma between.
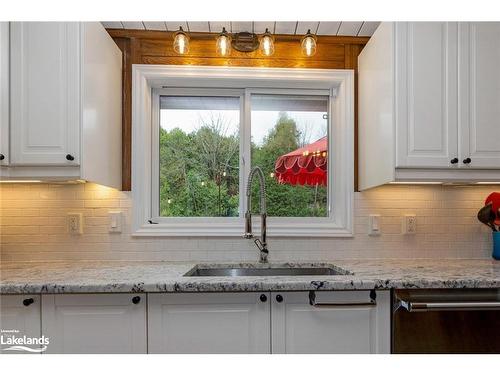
x: 415, y: 183
x: 19, y: 181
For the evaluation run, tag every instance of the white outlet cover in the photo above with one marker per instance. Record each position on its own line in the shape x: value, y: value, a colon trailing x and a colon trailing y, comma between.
x: 410, y: 224
x: 75, y: 225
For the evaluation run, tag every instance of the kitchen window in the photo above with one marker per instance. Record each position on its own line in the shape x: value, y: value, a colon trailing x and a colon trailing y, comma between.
x: 204, y: 136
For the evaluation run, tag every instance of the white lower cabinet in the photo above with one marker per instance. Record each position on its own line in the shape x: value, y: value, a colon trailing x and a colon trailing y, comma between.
x: 340, y: 322
x: 95, y: 323
x: 209, y: 323
x: 19, y: 316
x: 225, y: 323
x: 343, y: 322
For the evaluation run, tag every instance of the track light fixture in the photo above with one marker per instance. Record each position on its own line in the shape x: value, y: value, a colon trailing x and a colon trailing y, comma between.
x: 244, y: 42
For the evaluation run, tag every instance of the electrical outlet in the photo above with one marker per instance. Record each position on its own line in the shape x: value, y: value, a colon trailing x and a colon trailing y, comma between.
x: 374, y: 225
x: 410, y: 224
x: 75, y: 223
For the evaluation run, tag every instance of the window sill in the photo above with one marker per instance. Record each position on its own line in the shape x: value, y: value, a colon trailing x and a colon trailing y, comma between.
x: 236, y: 229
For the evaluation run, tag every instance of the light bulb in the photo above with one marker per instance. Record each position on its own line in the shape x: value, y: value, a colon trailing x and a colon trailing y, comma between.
x: 308, y: 44
x: 181, y: 42
x: 267, y: 44
x: 223, y: 44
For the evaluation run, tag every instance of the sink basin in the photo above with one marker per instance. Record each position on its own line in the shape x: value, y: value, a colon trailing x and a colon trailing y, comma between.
x: 266, y: 270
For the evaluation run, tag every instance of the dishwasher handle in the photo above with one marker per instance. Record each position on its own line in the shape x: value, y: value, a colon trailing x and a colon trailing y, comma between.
x: 372, y: 302
x: 449, y: 306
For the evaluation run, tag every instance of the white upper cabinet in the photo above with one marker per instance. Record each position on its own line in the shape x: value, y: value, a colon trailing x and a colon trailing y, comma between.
x: 480, y: 97
x: 429, y: 103
x: 340, y: 323
x: 45, y: 115
x: 4, y: 93
x: 65, y: 102
x: 427, y: 94
x: 95, y: 323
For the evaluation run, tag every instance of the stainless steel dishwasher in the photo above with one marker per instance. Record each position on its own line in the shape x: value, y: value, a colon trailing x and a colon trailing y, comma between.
x: 446, y: 321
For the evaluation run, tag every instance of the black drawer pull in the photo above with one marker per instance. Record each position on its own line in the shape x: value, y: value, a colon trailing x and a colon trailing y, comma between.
x: 454, y: 161
x: 263, y: 298
x: 28, y: 301
x: 70, y: 157
x: 467, y: 160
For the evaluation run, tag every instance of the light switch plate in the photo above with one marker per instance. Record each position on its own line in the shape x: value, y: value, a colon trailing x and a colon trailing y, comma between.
x: 75, y: 225
x: 115, y: 221
x: 374, y: 225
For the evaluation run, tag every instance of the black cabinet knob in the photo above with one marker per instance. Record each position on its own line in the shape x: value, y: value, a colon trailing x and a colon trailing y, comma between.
x: 28, y: 301
x: 263, y: 298
x: 136, y: 300
x: 454, y: 161
x: 467, y: 160
x: 2, y: 156
x: 70, y: 157
x: 279, y: 298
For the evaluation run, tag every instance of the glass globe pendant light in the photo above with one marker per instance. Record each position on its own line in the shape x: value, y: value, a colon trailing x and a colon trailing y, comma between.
x: 181, y: 42
x: 267, y: 44
x: 223, y: 44
x: 308, y: 44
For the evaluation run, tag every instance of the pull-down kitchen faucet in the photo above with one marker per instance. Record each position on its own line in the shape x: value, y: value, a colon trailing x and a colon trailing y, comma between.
x: 260, y: 243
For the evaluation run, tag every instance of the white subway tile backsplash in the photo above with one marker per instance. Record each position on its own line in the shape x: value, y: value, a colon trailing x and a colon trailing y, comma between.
x: 33, y: 227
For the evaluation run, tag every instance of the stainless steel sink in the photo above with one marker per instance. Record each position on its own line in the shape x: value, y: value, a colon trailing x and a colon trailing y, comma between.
x: 267, y: 270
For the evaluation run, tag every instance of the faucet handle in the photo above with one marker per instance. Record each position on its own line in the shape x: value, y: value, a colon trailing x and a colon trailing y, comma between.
x: 248, y: 235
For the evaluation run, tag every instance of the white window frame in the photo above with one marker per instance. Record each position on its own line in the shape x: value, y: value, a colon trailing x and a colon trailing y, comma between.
x: 150, y: 81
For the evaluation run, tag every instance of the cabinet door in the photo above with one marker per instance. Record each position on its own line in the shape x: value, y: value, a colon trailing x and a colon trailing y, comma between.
x: 20, y: 316
x: 347, y: 324
x: 426, y: 94
x: 480, y: 94
x: 4, y: 93
x: 95, y: 323
x: 209, y: 323
x: 45, y: 105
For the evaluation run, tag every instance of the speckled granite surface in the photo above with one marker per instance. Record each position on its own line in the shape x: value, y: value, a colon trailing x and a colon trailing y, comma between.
x: 106, y: 277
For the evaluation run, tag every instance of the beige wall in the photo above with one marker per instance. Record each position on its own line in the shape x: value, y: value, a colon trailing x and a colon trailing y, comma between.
x: 33, y: 227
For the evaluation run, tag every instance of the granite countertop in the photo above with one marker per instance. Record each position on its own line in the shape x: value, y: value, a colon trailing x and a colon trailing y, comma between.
x: 120, y: 277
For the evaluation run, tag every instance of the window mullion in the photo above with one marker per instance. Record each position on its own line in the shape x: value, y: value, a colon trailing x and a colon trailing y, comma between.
x: 245, y: 159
